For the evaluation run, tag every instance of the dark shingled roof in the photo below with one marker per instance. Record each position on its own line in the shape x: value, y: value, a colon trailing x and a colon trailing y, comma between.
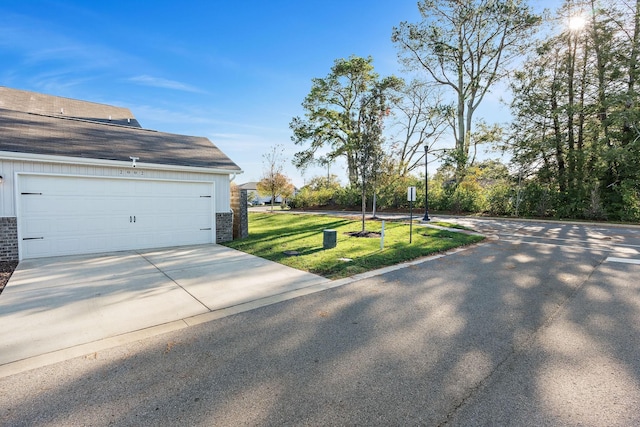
x: 56, y: 106
x: 252, y: 185
x: 34, y: 133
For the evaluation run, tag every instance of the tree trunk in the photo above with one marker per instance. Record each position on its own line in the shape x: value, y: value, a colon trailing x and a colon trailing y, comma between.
x: 571, y: 155
x: 628, y: 133
x: 580, y: 151
x: 461, y: 162
x: 600, y: 69
x: 559, y: 142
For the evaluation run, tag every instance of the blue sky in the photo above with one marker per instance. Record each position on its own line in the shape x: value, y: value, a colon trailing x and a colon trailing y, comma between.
x: 235, y: 72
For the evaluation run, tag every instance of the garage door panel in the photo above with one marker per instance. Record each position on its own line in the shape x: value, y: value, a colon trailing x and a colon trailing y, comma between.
x: 172, y: 238
x: 35, y: 204
x: 177, y: 225
x: 35, y: 227
x: 161, y: 223
x: 75, y: 215
x: 52, y: 205
x: 68, y: 245
x: 67, y: 207
x: 36, y: 248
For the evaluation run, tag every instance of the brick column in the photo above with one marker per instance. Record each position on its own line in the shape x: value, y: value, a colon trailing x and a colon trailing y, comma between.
x: 8, y: 239
x: 224, y: 227
x: 240, y: 212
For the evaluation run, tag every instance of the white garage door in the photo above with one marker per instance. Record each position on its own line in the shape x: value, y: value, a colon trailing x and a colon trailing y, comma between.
x: 66, y: 215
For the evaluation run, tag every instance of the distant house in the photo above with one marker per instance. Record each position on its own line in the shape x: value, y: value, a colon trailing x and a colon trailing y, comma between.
x: 254, y: 197
x: 78, y: 177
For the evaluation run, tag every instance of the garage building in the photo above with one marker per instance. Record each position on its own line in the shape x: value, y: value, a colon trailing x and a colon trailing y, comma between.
x: 79, y: 177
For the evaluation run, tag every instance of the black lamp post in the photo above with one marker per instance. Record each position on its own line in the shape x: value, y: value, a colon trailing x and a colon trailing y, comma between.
x: 426, y: 185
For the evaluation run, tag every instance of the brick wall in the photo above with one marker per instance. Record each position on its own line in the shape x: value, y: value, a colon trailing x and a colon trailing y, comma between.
x: 240, y: 214
x: 224, y: 227
x: 8, y: 239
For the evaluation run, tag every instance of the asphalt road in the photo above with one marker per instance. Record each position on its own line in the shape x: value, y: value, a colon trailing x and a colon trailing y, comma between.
x: 538, y: 326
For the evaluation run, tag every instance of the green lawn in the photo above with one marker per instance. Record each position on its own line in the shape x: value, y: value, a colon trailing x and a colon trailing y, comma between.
x: 270, y: 235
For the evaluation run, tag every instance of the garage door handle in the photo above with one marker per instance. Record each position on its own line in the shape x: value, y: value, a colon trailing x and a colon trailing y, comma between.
x: 134, y: 218
x: 130, y: 219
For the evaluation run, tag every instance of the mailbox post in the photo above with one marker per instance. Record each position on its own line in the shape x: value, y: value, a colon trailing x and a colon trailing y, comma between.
x: 411, y: 197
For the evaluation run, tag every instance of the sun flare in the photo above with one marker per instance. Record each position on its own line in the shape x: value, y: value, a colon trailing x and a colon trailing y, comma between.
x: 577, y: 23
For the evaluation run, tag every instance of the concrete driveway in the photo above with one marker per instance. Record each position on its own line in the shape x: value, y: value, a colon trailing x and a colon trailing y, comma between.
x: 55, y: 308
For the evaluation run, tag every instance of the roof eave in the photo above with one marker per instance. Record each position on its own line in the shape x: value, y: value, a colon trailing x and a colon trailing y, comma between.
x: 46, y: 158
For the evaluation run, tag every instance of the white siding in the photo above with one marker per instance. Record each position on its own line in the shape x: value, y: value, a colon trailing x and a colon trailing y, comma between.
x: 8, y: 169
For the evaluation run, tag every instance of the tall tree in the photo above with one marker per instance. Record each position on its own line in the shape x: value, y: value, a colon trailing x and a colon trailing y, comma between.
x: 419, y: 120
x: 574, y: 109
x: 367, y: 146
x: 274, y: 183
x: 466, y: 46
x: 333, y: 121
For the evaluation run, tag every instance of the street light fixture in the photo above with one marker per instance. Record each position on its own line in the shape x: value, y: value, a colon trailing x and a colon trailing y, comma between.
x: 426, y: 185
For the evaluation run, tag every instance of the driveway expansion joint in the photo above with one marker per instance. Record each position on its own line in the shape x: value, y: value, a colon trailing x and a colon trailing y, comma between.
x: 171, y: 279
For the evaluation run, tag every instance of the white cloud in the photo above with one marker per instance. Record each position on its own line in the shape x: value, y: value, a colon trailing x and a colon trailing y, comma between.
x: 146, y: 80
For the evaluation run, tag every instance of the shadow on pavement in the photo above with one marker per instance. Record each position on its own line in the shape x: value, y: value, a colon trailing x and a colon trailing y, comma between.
x: 440, y: 342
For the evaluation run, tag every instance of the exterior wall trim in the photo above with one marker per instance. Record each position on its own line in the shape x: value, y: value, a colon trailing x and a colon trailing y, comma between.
x: 44, y: 158
x: 128, y: 178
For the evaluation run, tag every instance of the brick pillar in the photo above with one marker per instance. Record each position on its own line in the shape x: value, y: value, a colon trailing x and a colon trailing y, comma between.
x: 8, y: 239
x: 224, y: 227
x: 239, y: 207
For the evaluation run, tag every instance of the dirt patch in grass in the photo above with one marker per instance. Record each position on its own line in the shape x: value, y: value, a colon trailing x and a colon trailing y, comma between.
x: 6, y: 270
x: 366, y: 234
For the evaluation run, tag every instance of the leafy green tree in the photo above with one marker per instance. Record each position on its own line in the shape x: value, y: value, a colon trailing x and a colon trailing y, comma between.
x: 334, y: 123
x: 319, y: 191
x: 575, y: 111
x: 466, y: 47
x: 492, y: 170
x: 286, y: 192
x: 614, y: 33
x: 367, y: 146
x: 324, y: 182
x: 276, y: 185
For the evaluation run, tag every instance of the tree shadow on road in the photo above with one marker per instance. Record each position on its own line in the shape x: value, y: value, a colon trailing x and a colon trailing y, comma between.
x: 440, y: 342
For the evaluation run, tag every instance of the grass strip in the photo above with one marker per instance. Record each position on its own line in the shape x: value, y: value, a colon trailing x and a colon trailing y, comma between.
x: 272, y: 236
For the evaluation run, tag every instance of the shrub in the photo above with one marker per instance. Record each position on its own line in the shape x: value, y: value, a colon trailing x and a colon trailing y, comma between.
x: 500, y: 199
x: 349, y: 197
x: 438, y: 197
x: 468, y: 197
x: 537, y: 200
x: 630, y: 195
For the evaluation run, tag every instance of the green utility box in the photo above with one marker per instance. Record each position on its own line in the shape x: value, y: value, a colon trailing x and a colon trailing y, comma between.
x: 330, y: 239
